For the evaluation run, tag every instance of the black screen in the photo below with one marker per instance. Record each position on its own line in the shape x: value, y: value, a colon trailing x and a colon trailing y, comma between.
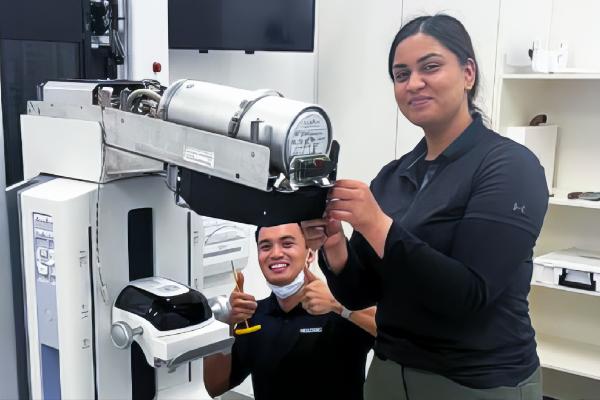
x: 250, y: 25
x: 59, y: 21
x: 25, y: 64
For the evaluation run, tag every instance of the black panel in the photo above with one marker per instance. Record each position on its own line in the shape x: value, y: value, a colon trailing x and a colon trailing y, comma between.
x: 59, y: 21
x: 189, y: 248
x: 96, y: 63
x: 140, y: 238
x: 43, y: 40
x: 143, y: 385
x: 273, y: 25
x: 93, y: 309
x: 219, y: 198
x: 25, y: 64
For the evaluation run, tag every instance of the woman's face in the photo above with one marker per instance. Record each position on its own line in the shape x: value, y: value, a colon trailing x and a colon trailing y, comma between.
x: 430, y: 84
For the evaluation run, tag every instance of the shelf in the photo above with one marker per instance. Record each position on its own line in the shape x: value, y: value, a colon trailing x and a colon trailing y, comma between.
x: 560, y: 199
x: 566, y: 289
x: 551, y: 76
x: 569, y: 356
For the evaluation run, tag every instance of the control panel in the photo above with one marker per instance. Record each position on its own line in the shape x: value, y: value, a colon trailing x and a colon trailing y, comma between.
x: 43, y: 239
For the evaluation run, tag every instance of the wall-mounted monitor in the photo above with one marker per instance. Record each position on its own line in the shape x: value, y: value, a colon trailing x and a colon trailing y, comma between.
x: 249, y: 25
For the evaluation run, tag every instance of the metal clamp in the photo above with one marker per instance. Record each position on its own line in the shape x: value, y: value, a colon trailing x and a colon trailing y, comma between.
x: 245, y: 105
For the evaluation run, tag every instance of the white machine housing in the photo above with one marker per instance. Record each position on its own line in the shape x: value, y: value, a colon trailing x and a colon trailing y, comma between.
x: 173, y: 347
x: 79, y: 251
x: 105, y: 212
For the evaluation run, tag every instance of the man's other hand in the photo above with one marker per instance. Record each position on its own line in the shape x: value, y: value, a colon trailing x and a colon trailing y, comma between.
x: 243, y: 305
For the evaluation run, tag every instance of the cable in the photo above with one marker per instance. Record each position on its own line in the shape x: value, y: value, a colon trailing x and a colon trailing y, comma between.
x: 103, y: 286
x: 138, y: 93
x: 404, y: 382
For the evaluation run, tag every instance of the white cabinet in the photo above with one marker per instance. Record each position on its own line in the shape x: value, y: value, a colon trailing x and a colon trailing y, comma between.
x: 567, y: 321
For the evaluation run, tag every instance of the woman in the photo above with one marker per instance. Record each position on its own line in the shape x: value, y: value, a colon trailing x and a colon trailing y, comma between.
x: 443, y: 237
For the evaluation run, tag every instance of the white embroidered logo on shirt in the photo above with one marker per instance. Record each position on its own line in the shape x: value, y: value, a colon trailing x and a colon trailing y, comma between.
x: 311, y: 330
x: 520, y: 208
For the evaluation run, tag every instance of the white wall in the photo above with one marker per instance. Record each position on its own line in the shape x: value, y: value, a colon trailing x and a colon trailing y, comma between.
x: 577, y: 24
x: 292, y: 74
x: 8, y: 362
x: 353, y: 84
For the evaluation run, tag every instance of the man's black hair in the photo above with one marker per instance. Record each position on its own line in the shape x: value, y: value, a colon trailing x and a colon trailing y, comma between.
x: 258, y: 228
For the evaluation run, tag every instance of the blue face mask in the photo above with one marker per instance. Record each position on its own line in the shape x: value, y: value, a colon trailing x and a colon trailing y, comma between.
x: 285, y: 291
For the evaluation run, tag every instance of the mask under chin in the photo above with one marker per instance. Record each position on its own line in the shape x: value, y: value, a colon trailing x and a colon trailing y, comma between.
x: 285, y: 291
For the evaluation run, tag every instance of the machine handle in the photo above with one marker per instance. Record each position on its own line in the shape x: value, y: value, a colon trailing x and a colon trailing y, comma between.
x: 220, y: 308
x: 122, y: 335
x: 563, y: 281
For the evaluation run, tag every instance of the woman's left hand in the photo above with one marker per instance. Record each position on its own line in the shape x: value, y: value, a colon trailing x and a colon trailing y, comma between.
x: 353, y: 202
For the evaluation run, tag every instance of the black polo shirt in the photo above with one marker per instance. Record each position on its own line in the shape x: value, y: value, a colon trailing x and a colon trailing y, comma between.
x: 301, y: 356
x: 452, y: 286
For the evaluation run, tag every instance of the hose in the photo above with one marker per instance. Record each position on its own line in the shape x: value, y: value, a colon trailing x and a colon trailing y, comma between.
x: 139, y: 93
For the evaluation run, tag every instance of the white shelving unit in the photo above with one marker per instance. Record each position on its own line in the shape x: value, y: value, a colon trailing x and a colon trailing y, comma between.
x: 560, y: 199
x: 567, y: 289
x: 569, y: 356
x: 568, y: 337
x: 566, y: 320
x: 552, y: 76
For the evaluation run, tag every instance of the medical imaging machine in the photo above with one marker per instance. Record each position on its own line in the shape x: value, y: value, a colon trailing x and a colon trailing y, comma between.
x: 120, y: 271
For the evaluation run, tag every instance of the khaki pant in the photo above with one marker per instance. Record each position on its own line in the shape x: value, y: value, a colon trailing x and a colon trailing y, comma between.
x: 387, y: 381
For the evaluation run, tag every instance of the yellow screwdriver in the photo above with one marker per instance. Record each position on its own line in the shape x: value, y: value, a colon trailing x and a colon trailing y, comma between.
x: 247, y: 329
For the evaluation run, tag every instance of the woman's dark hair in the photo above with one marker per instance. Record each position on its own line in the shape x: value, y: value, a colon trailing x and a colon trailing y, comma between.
x: 451, y: 33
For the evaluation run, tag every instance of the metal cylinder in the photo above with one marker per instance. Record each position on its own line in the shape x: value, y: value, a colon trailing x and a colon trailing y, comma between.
x: 289, y: 128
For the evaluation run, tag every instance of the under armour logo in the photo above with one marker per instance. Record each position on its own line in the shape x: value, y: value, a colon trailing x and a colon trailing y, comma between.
x: 521, y: 208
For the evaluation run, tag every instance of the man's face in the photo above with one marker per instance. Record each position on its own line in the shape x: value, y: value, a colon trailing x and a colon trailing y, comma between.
x: 281, y: 253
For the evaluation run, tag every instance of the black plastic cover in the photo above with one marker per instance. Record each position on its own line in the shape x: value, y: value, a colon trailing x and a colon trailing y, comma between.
x: 218, y: 198
x: 165, y: 313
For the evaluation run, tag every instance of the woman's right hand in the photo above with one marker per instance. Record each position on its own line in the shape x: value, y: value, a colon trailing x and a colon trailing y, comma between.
x: 327, y: 233
x: 243, y: 305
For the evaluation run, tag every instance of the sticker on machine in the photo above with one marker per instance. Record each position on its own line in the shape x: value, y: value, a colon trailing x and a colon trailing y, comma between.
x: 201, y: 157
x: 309, y: 134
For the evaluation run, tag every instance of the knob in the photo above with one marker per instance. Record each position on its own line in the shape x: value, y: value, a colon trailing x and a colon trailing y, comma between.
x: 122, y: 335
x: 220, y: 307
